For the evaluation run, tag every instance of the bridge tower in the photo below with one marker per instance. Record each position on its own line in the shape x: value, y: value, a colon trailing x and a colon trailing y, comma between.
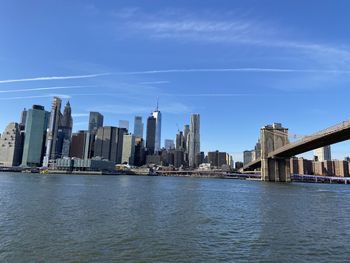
x: 273, y: 137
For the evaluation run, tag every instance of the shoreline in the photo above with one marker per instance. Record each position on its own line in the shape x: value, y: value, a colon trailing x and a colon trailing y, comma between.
x: 190, y: 174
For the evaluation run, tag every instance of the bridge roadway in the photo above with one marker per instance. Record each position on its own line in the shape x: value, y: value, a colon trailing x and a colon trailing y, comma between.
x: 335, y: 134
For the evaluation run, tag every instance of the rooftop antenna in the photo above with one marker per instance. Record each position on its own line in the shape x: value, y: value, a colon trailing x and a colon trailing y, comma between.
x: 157, y: 103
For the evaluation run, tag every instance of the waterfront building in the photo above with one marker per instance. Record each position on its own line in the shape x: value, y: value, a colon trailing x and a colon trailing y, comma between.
x: 10, y: 146
x: 218, y: 159
x: 329, y: 169
x: 151, y: 134
x: 35, y: 134
x: 95, y: 122
x: 77, y: 164
x: 80, y: 146
x: 139, y: 152
x: 158, y: 132
x: 323, y: 154
x: 128, y: 154
x: 305, y: 166
x: 238, y: 165
x: 169, y: 144
x: 124, y: 124
x: 109, y: 143
x: 341, y: 168
x: 138, y: 127
x: 179, y: 158
x: 52, y: 147
x: 194, y: 140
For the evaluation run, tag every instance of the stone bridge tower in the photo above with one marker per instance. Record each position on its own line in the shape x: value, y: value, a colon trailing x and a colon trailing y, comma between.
x: 273, y: 137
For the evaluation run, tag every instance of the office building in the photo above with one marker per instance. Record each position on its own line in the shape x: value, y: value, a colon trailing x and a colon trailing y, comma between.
x: 23, y: 117
x: 124, y: 124
x: 128, y: 154
x: 66, y: 130
x: 158, y: 133
x: 194, y: 140
x: 140, y: 158
x: 52, y: 146
x: 80, y: 146
x: 186, y: 132
x: 95, y: 122
x: 169, y: 144
x: 10, y: 146
x: 35, y: 135
x: 323, y: 154
x: 138, y: 127
x: 218, y: 159
x: 151, y: 134
x: 109, y: 143
x: 341, y: 168
x: 248, y: 156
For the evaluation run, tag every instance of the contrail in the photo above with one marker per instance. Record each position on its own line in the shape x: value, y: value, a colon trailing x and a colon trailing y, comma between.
x: 53, y: 78
x: 262, y: 70
x: 45, y: 88
x: 63, y: 96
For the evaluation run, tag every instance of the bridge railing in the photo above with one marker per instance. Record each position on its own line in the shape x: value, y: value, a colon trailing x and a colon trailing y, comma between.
x: 321, y: 133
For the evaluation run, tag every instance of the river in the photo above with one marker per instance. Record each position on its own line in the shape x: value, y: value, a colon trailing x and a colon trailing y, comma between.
x: 72, y: 218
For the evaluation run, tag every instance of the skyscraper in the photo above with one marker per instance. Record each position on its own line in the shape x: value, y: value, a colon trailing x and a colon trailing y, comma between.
x: 66, y: 129
x: 194, y: 140
x: 52, y: 135
x: 124, y: 124
x: 158, y: 116
x: 80, y: 146
x: 95, y: 121
x: 109, y: 143
x: 128, y: 155
x: 35, y: 133
x: 323, y: 154
x: 138, y: 127
x: 186, y: 138
x: 151, y: 134
x: 10, y: 146
x: 23, y: 117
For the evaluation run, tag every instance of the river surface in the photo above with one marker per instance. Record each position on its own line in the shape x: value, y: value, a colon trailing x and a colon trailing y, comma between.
x: 66, y: 218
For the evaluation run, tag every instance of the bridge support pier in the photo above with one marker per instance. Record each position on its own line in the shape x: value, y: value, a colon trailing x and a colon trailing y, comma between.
x: 273, y: 137
x: 275, y: 170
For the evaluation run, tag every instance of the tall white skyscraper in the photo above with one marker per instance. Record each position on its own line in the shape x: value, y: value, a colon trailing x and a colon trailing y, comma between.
x: 52, y: 134
x: 194, y: 140
x: 138, y: 127
x: 158, y: 116
x: 323, y: 154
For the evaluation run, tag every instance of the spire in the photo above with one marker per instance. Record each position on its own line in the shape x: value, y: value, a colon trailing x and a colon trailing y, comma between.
x: 157, y: 104
x: 68, y: 104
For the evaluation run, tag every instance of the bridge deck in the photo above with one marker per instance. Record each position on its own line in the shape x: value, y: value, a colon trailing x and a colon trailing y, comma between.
x: 331, y: 135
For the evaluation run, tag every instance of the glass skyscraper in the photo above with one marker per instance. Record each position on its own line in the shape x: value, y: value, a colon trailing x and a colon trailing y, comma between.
x: 34, y: 142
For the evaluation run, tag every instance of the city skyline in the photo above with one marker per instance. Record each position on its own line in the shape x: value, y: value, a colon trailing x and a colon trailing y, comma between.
x: 228, y: 66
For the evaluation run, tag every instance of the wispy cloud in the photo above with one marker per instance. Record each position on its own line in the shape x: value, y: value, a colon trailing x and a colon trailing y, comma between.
x: 226, y: 28
x: 78, y: 115
x: 53, y: 78
x: 62, y: 96
x: 45, y: 88
x: 155, y: 82
x: 213, y: 70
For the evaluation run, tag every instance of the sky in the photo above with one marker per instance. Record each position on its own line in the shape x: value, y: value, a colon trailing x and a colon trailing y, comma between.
x: 239, y: 64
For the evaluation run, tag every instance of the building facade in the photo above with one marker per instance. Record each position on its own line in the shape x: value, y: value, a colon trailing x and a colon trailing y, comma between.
x: 35, y: 135
x: 194, y: 140
x: 10, y: 146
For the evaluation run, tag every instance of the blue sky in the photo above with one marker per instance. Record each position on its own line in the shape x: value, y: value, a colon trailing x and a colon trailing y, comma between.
x: 240, y: 64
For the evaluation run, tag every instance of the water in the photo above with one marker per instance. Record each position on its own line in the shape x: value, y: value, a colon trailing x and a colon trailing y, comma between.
x: 45, y: 218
